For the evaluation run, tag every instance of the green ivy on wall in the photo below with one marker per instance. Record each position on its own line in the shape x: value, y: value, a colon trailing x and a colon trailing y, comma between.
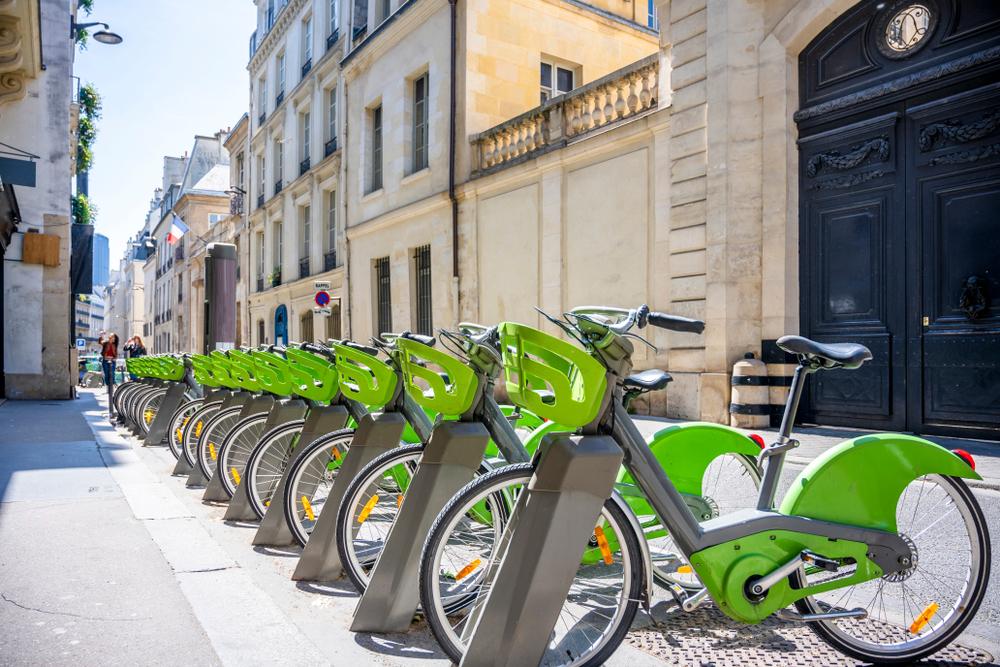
x: 84, y: 212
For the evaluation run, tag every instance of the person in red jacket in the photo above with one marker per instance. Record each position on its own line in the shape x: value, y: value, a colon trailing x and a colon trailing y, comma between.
x: 109, y: 357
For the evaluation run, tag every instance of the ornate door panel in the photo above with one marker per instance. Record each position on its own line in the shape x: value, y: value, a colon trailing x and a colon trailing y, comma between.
x: 851, y: 253
x: 954, y: 366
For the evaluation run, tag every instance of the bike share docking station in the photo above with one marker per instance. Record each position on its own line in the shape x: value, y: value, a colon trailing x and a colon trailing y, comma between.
x: 367, y: 381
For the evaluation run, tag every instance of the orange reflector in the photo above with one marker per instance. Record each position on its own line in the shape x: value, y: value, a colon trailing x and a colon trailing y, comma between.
x: 924, y: 618
x: 185, y: 422
x: 267, y: 503
x: 149, y: 416
x: 309, y: 509
x: 211, y: 450
x: 178, y: 435
x: 336, y: 454
x: 603, y: 543
x: 368, y: 509
x: 197, y: 429
x: 236, y: 475
x: 684, y: 569
x: 399, y: 500
x: 467, y: 570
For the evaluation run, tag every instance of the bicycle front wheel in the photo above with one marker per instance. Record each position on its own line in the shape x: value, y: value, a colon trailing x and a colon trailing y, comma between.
x: 178, y: 422
x: 212, y: 437
x: 192, y: 432
x: 311, y: 479
x: 920, y: 610
x: 369, y: 509
x: 239, y: 442
x: 466, y: 541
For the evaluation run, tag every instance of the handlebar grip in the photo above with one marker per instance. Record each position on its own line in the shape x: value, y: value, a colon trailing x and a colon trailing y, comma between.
x: 359, y: 347
x: 676, y: 323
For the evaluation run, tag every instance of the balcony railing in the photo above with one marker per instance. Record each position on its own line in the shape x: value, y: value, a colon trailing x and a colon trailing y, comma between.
x: 170, y: 262
x: 280, y: 98
x: 306, y: 67
x: 260, y: 284
x: 276, y: 281
x: 330, y: 260
x: 179, y: 253
x: 253, y: 44
x: 263, y: 117
x: 331, y: 147
x: 332, y: 39
x: 359, y: 32
x: 236, y: 205
x: 303, y: 268
x: 277, y: 187
x: 616, y: 98
x: 180, y: 297
x: 260, y: 200
x: 170, y: 315
x: 303, y: 166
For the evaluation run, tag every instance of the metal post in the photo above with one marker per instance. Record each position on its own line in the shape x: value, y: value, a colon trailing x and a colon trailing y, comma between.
x: 254, y: 405
x: 168, y: 406
x: 281, y: 412
x: 197, y: 478
x: 553, y: 522
x: 374, y: 436
x: 273, y: 529
x: 450, y: 459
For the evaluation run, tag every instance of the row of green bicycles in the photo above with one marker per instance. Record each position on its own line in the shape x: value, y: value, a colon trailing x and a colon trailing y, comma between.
x: 878, y: 545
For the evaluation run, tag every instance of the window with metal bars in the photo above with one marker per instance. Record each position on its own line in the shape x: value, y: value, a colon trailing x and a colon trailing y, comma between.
x: 384, y: 296
x: 377, y: 148
x: 422, y: 260
x: 420, y: 123
x: 333, y: 322
x: 260, y: 332
x: 306, y: 328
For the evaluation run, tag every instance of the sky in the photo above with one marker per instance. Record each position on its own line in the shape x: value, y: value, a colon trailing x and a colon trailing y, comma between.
x: 180, y: 71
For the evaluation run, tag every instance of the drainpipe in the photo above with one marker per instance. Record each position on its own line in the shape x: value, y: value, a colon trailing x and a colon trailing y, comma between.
x: 451, y: 162
x: 346, y: 300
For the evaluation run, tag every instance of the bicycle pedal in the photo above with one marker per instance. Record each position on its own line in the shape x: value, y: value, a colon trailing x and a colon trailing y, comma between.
x: 822, y: 562
x: 679, y: 594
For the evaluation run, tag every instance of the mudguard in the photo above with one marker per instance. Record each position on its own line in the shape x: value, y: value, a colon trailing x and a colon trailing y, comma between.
x: 685, y: 452
x: 859, y: 481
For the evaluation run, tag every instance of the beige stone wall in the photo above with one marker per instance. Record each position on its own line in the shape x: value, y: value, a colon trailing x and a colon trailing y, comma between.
x: 507, y: 39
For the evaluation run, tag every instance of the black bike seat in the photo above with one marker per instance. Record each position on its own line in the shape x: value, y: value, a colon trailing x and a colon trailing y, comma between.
x: 650, y: 380
x: 834, y: 355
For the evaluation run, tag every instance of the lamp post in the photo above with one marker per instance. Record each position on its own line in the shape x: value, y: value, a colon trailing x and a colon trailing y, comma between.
x: 104, y: 36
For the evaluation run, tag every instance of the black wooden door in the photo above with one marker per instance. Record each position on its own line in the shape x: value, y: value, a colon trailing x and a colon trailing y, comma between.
x: 953, y: 190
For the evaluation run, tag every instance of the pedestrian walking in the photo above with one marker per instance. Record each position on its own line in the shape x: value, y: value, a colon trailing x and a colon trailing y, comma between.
x: 109, y: 358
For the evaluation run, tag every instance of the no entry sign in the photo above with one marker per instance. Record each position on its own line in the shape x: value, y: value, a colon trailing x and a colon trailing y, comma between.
x: 322, y: 299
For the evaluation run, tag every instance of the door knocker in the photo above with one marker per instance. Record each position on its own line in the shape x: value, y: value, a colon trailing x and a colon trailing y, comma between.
x: 973, y: 300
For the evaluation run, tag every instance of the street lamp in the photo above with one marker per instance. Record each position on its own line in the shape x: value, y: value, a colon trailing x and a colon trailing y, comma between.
x: 104, y: 36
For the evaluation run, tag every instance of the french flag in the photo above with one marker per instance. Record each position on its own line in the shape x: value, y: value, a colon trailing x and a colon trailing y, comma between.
x: 177, y: 230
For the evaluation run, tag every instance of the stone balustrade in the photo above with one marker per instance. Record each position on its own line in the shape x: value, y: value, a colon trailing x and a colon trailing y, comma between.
x: 619, y: 97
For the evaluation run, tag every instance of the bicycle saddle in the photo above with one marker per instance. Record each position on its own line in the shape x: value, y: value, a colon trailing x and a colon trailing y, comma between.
x: 831, y: 355
x: 650, y: 380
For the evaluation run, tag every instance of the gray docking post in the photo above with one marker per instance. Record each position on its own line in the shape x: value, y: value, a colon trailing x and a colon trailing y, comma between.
x: 280, y: 412
x: 254, y: 405
x: 553, y: 522
x: 273, y: 529
x: 168, y: 406
x: 374, y: 436
x: 197, y: 478
x: 448, y: 463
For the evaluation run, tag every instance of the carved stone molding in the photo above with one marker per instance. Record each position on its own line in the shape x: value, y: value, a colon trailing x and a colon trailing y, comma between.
x: 270, y: 39
x: 10, y: 44
x: 896, y: 85
x: 968, y: 155
x: 954, y: 130
x: 12, y: 86
x: 847, y: 181
x: 834, y: 160
x: 7, y: 6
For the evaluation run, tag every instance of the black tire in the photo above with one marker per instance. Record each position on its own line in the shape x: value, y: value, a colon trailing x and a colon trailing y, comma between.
x: 192, y: 431
x: 296, y: 513
x: 178, y: 421
x: 345, y: 514
x: 457, y: 507
x: 236, y: 449
x: 963, y: 610
x: 213, y: 435
x: 122, y: 392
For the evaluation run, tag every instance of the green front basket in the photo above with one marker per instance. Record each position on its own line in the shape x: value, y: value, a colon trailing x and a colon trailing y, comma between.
x: 173, y: 369
x: 312, y: 376
x: 363, y: 377
x: 204, y: 371
x: 534, y: 361
x: 223, y: 370
x: 243, y: 370
x: 453, y: 398
x: 272, y: 373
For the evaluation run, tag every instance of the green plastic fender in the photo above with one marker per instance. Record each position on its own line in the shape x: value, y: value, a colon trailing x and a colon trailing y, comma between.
x: 685, y: 452
x: 859, y: 481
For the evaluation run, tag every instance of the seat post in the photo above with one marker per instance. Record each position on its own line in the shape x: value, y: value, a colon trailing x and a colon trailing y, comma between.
x: 774, y: 460
x: 792, y: 405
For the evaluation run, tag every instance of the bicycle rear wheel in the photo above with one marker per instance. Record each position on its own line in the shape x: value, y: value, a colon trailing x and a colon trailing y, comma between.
x: 212, y: 437
x: 918, y: 611
x: 192, y: 432
x: 267, y: 462
x: 466, y: 541
x: 179, y: 421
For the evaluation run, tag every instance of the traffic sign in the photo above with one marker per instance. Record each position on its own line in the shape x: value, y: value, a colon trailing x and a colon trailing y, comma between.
x: 321, y: 284
x: 81, y: 343
x: 322, y: 299
x: 323, y: 311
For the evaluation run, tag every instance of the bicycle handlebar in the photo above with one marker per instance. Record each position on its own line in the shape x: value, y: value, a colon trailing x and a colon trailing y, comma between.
x: 675, y: 323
